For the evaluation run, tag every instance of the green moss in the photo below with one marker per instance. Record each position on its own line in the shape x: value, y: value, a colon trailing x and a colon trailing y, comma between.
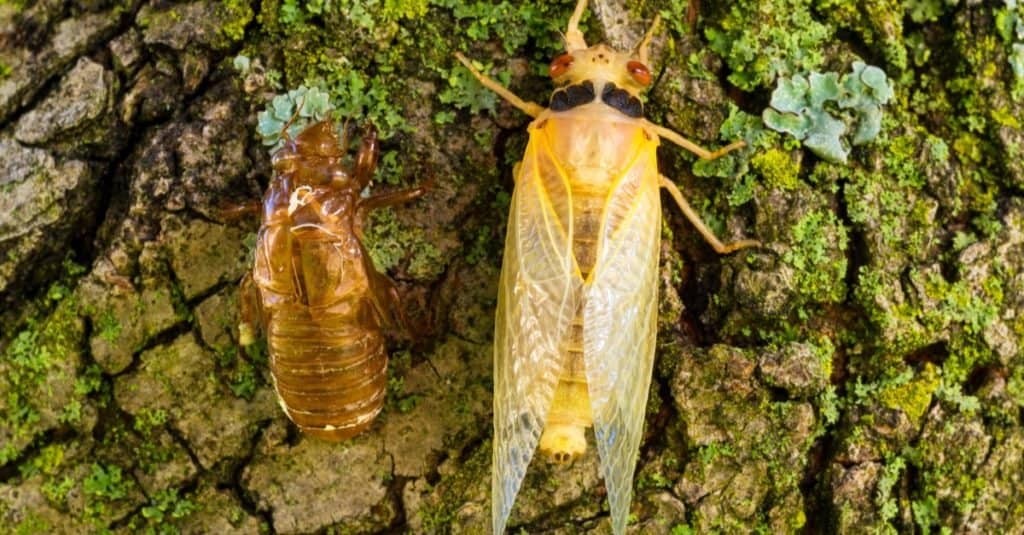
x: 104, y: 486
x: 31, y: 524
x: 108, y: 326
x: 240, y: 374
x: 914, y: 396
x: 389, y: 243
x: 777, y: 167
x: 164, y: 510
x: 239, y: 14
x: 709, y: 453
x: 399, y: 364
x: 48, y: 461
x: 888, y: 506
x: 763, y: 41
x: 879, y: 23
x: 32, y: 356
x: 818, y: 241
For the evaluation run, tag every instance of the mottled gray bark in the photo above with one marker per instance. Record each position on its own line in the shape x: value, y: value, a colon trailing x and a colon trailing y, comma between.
x: 863, y: 372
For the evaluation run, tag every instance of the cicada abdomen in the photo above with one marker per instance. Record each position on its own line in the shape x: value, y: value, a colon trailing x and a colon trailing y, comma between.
x: 313, y: 287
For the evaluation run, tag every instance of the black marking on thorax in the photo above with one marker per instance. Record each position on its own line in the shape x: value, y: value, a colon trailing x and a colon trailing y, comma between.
x: 621, y: 100
x: 572, y: 96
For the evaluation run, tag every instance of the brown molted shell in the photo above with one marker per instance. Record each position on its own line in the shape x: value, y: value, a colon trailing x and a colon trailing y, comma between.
x: 318, y: 296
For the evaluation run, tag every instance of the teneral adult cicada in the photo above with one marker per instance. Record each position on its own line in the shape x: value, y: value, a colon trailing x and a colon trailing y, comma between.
x: 313, y: 288
x: 577, y: 303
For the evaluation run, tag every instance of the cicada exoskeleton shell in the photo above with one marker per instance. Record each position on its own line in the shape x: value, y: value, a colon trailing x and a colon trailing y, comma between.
x: 313, y: 287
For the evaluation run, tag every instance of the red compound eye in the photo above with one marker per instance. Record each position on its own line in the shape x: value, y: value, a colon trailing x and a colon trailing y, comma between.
x: 560, y: 65
x: 639, y: 72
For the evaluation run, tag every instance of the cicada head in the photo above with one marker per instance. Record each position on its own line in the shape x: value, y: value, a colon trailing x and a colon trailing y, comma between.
x: 601, y: 64
x: 583, y: 72
x: 314, y: 157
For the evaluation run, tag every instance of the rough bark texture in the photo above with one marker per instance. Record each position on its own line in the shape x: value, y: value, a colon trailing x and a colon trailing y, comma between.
x: 864, y: 372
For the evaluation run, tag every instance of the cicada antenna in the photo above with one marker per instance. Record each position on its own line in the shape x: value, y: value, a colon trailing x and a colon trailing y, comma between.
x: 643, y: 48
x: 573, y: 36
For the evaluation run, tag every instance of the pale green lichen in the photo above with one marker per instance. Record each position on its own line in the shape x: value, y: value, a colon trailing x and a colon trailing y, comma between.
x: 764, y: 41
x: 818, y: 109
x: 294, y: 111
x: 927, y: 10
x: 1010, y: 24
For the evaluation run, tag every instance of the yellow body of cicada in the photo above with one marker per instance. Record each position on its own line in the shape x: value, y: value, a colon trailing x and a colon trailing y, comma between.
x: 577, y: 303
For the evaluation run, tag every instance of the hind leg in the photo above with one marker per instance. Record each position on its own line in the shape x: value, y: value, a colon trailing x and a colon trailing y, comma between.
x: 691, y: 214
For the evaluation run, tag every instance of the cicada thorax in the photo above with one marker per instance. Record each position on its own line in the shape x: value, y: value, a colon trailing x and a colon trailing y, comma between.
x: 598, y: 148
x: 327, y: 353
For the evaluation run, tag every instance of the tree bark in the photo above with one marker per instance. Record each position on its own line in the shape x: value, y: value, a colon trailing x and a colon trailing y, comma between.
x: 861, y: 372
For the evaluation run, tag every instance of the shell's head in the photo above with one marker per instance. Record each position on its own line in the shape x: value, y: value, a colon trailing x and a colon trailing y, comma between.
x: 320, y: 140
x: 314, y: 156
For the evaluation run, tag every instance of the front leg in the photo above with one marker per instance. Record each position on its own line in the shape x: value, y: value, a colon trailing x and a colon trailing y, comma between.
x: 381, y: 200
x: 530, y: 108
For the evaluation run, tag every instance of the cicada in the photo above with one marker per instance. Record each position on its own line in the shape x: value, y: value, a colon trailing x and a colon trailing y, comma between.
x: 313, y: 288
x: 577, y: 304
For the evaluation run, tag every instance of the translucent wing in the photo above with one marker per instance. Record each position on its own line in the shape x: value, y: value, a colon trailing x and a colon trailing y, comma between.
x: 620, y: 314
x: 538, y: 296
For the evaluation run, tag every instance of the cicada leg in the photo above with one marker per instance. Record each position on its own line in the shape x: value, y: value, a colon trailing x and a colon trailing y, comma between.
x: 229, y: 211
x: 530, y: 108
x: 701, y: 152
x: 366, y: 159
x: 643, y: 49
x: 691, y: 214
x: 252, y: 312
x: 386, y: 298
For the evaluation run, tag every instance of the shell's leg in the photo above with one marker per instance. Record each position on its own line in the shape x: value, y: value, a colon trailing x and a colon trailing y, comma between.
x: 251, y: 313
x: 366, y: 159
x: 392, y: 198
x: 381, y: 200
x: 530, y: 108
x: 703, y: 153
x: 386, y: 298
x: 229, y: 211
x: 691, y: 214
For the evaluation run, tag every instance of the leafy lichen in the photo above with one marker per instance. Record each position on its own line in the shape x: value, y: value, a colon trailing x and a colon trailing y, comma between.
x: 764, y: 41
x: 807, y: 109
